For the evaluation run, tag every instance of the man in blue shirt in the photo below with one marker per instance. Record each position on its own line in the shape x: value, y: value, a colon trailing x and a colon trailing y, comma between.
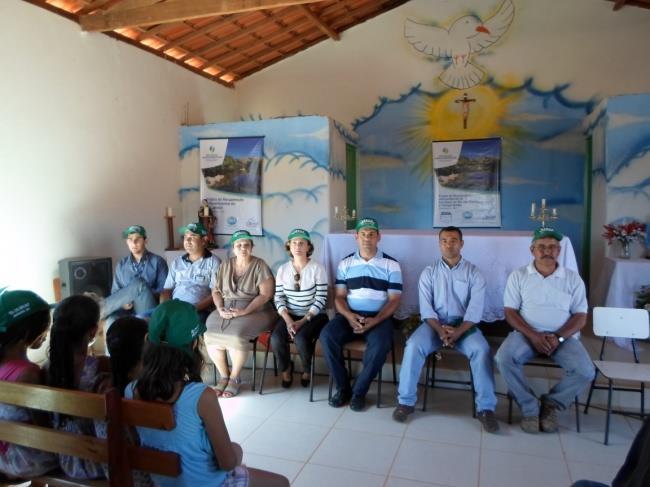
x: 138, y: 279
x: 368, y: 291
x: 192, y: 276
x: 452, y: 293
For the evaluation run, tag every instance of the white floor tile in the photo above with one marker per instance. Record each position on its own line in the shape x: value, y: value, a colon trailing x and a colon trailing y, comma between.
x: 502, y: 469
x: 322, y: 476
x: 291, y: 441
x: 443, y: 463
x: 397, y: 482
x: 357, y: 450
x: 589, y: 471
x: 372, y: 420
x: 240, y: 427
x: 288, y: 468
x: 298, y: 409
x: 444, y: 428
x: 249, y: 403
x: 511, y: 438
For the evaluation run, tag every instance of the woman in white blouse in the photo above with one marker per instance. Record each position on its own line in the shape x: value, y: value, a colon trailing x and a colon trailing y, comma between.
x: 300, y: 298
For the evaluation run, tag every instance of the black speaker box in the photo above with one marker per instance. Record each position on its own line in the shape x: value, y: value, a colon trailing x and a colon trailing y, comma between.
x: 86, y: 275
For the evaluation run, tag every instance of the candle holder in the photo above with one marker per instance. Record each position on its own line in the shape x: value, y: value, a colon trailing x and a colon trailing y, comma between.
x: 170, y: 231
x: 544, y: 214
x: 346, y: 215
x: 208, y: 220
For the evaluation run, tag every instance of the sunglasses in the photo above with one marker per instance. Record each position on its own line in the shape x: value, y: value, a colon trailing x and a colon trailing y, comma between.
x: 296, y: 278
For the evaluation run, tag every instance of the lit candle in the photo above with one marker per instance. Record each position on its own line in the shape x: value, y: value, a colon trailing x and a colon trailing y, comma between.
x: 336, y: 211
x: 168, y: 211
x: 354, y: 214
x: 555, y: 212
x: 532, y: 209
x: 206, y: 210
x: 543, y: 202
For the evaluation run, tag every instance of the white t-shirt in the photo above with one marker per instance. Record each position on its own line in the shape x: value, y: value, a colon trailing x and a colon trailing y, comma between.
x: 545, y: 303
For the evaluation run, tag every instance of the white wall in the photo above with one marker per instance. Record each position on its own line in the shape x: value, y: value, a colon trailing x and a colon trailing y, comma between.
x: 88, y: 142
x: 582, y: 42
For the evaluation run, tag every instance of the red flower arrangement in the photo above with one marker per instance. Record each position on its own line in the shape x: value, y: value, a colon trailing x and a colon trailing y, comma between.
x: 624, y: 232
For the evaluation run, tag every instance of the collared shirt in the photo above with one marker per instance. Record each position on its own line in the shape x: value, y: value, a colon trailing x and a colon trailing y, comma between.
x: 448, y: 294
x: 193, y: 281
x: 312, y: 293
x: 545, y: 303
x: 369, y: 282
x: 152, y: 268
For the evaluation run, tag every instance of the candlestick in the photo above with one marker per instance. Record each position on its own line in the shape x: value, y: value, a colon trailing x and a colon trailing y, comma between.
x: 543, y: 202
x: 336, y: 211
x: 168, y: 211
x: 532, y: 209
x: 544, y: 214
x: 554, y: 212
x: 206, y: 211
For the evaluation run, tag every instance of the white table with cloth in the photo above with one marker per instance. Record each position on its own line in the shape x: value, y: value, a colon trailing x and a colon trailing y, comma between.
x: 495, y: 253
x: 620, y: 280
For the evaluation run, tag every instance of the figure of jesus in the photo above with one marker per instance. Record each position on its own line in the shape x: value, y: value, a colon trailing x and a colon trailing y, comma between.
x: 465, y: 101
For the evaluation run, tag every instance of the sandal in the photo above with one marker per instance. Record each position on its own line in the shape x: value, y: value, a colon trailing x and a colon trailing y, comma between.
x: 221, y: 386
x: 232, y: 389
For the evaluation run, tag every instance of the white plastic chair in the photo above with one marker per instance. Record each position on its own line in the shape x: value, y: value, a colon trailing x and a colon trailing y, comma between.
x: 622, y: 323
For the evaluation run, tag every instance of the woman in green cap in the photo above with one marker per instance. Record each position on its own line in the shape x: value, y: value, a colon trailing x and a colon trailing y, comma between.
x: 300, y: 298
x: 242, y: 296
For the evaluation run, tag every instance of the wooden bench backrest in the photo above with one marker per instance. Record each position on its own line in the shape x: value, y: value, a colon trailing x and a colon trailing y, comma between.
x: 118, y: 413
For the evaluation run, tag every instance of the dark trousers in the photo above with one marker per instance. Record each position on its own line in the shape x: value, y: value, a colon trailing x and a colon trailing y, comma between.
x: 305, y: 341
x: 378, y: 340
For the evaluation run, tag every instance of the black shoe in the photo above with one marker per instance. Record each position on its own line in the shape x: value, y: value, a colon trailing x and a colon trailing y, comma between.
x: 287, y: 383
x: 489, y: 422
x: 341, y: 398
x: 305, y: 382
x: 358, y: 403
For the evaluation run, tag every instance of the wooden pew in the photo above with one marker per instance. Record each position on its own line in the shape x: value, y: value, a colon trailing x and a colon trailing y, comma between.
x: 121, y: 456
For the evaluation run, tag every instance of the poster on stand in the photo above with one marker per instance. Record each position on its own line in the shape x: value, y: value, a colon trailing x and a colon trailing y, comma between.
x: 466, y: 183
x: 231, y: 182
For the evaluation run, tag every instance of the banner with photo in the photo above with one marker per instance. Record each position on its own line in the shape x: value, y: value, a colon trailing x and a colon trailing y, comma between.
x: 466, y: 183
x: 231, y: 182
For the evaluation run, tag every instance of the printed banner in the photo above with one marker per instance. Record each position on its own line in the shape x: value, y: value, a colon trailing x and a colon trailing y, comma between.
x: 466, y: 183
x: 231, y: 182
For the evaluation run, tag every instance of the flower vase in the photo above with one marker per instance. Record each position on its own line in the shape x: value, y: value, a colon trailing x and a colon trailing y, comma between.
x: 625, y: 250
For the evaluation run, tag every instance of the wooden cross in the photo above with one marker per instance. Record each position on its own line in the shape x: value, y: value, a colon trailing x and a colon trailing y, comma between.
x: 465, y: 101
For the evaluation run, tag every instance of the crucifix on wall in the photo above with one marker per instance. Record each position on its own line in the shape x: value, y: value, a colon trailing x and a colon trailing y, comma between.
x: 465, y: 101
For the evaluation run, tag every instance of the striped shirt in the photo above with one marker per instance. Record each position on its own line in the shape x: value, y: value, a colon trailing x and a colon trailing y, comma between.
x: 312, y: 296
x: 369, y: 282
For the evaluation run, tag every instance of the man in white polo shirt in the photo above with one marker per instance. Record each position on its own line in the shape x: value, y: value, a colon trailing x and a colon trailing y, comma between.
x: 547, y: 307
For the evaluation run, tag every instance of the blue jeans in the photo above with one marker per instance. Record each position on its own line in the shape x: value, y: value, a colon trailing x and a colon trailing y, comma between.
x: 588, y: 483
x: 378, y: 340
x: 571, y: 355
x: 425, y: 341
x: 137, y: 292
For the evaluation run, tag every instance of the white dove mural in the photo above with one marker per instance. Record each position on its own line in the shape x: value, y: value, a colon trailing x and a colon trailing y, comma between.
x: 468, y: 35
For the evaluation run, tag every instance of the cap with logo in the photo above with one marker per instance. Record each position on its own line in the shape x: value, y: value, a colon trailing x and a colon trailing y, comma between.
x: 547, y: 232
x: 139, y: 229
x: 299, y: 233
x: 16, y: 305
x: 367, y: 223
x: 196, y: 228
x: 175, y: 323
x: 241, y: 234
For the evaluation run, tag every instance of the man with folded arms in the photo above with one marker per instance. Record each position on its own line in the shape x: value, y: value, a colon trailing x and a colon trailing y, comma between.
x: 546, y: 305
x: 368, y: 291
x: 452, y: 293
x: 193, y: 275
x: 138, y: 280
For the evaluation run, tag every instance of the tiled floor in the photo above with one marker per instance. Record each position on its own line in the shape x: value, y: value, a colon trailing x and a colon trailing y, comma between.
x: 316, y: 445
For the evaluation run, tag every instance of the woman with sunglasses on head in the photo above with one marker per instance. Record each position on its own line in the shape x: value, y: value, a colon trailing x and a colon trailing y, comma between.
x: 300, y: 298
x: 242, y: 295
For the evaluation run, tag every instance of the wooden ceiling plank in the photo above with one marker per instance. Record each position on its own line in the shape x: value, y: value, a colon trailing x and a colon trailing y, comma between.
x: 319, y: 23
x: 202, y: 31
x: 177, y: 10
x: 129, y: 4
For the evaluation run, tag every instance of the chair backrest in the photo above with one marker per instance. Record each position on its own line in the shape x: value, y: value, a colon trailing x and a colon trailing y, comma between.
x: 621, y: 322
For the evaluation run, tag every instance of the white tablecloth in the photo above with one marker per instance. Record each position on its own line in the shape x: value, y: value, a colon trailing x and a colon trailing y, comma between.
x: 495, y: 253
x: 619, y: 280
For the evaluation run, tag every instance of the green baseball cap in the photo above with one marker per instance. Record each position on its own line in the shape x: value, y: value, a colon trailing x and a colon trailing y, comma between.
x: 197, y: 228
x: 175, y: 323
x: 547, y: 232
x: 239, y: 234
x: 139, y: 229
x: 299, y: 233
x: 367, y: 223
x: 16, y: 305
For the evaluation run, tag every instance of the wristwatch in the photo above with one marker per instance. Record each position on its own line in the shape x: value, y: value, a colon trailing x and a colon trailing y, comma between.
x: 559, y: 338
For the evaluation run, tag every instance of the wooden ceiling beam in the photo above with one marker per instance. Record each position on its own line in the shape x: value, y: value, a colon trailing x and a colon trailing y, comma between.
x: 129, y: 4
x: 202, y: 31
x: 177, y: 10
x: 319, y: 23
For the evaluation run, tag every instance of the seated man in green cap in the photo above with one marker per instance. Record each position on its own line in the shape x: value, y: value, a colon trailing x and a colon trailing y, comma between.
x: 193, y: 275
x: 138, y: 280
x: 546, y: 305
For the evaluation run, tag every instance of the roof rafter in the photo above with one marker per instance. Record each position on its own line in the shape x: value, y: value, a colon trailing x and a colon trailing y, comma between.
x: 319, y: 23
x: 177, y: 10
